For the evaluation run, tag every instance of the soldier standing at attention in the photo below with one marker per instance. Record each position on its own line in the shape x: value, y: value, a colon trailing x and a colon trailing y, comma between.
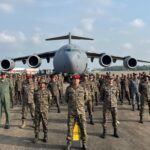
x: 75, y: 97
x: 86, y: 84
x: 54, y: 89
x: 42, y: 99
x: 27, y: 101
x: 5, y: 94
x: 144, y: 89
x: 109, y: 95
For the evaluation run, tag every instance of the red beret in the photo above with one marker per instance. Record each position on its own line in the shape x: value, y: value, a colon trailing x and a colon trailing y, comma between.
x: 29, y: 76
x: 75, y: 77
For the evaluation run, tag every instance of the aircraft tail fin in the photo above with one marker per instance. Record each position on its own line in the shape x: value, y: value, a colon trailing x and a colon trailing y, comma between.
x: 69, y: 36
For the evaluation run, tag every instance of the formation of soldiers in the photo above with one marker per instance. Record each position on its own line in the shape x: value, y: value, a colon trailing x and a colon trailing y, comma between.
x: 38, y: 93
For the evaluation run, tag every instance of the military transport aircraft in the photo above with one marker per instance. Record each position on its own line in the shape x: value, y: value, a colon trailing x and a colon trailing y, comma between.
x: 69, y: 58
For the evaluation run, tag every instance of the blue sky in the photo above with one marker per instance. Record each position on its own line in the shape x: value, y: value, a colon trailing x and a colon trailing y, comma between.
x: 119, y: 27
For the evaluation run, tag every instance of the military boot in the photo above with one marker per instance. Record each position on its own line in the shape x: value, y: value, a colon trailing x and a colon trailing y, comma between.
x: 58, y: 110
x: 23, y: 124
x: 141, y: 119
x: 116, y: 133
x: 45, y: 139
x: 36, y: 138
x: 69, y: 144
x: 91, y: 120
x: 104, y: 133
x: 149, y: 110
x: 7, y: 126
x: 138, y: 107
x: 133, y: 108
x: 84, y: 146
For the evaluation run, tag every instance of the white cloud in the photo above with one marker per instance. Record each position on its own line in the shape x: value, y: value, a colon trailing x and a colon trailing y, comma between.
x: 87, y: 24
x: 6, y: 38
x: 127, y: 46
x: 36, y: 39
x: 21, y: 36
x: 138, y: 23
x: 6, y: 8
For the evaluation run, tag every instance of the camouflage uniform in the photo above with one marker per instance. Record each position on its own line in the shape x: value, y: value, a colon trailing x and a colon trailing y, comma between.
x: 18, y: 89
x: 109, y: 94
x: 42, y: 99
x: 27, y: 101
x: 87, y: 86
x: 76, y: 111
x: 144, y: 89
x: 53, y: 87
x: 5, y: 94
x: 60, y: 85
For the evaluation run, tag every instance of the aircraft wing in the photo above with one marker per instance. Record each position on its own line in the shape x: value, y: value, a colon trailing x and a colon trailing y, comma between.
x: 93, y: 55
x: 49, y: 54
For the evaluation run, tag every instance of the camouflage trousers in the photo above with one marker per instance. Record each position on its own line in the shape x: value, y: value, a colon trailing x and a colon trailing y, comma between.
x: 81, y: 120
x: 18, y: 97
x: 125, y: 94
x: 106, y: 112
x: 25, y: 107
x: 89, y: 104
x: 41, y: 116
x: 143, y: 105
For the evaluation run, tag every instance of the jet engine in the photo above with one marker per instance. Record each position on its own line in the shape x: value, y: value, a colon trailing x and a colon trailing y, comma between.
x: 105, y: 60
x: 34, y: 61
x: 7, y: 64
x: 130, y: 62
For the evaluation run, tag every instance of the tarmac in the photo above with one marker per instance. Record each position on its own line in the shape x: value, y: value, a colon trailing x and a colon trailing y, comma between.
x: 133, y: 135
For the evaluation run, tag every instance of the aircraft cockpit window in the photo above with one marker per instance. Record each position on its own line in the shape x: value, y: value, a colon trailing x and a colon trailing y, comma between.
x: 68, y: 50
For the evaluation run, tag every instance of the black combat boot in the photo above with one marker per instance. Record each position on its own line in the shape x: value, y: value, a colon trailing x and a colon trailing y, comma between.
x: 45, y: 139
x: 149, y: 110
x: 84, y: 146
x: 58, y: 110
x: 69, y: 144
x: 104, y: 133
x: 36, y: 138
x: 141, y: 119
x: 116, y: 133
x: 91, y: 120
x: 133, y: 108
x: 7, y: 126
x: 138, y: 107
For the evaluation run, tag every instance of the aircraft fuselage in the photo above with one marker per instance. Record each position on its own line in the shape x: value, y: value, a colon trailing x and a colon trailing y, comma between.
x: 70, y: 59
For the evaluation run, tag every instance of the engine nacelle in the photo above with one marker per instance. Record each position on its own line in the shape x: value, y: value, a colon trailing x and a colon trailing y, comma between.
x: 130, y: 62
x: 7, y: 64
x: 34, y: 61
x: 105, y: 60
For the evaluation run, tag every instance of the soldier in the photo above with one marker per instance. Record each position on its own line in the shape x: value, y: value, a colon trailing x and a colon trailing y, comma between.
x: 109, y: 94
x: 28, y: 101
x: 144, y: 89
x: 42, y: 99
x: 53, y: 87
x: 18, y: 89
x: 5, y: 94
x: 134, y: 88
x: 86, y: 84
x: 75, y: 97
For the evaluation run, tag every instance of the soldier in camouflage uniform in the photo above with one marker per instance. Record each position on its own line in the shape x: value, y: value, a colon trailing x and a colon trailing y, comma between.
x: 5, y: 94
x: 42, y: 98
x: 27, y: 101
x: 18, y: 89
x: 144, y: 89
x: 86, y: 84
x: 53, y: 87
x: 109, y: 94
x: 75, y: 97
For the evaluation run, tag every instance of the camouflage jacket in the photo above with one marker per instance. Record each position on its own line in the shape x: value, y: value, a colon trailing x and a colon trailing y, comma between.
x: 109, y: 95
x: 42, y: 100
x: 53, y: 87
x: 28, y: 91
x: 76, y: 100
x: 144, y: 89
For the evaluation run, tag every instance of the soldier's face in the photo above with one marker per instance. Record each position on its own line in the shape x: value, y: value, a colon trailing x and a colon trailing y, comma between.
x: 76, y: 82
x: 42, y: 86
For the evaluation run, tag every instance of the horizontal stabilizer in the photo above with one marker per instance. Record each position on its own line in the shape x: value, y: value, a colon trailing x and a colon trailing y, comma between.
x: 69, y: 36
